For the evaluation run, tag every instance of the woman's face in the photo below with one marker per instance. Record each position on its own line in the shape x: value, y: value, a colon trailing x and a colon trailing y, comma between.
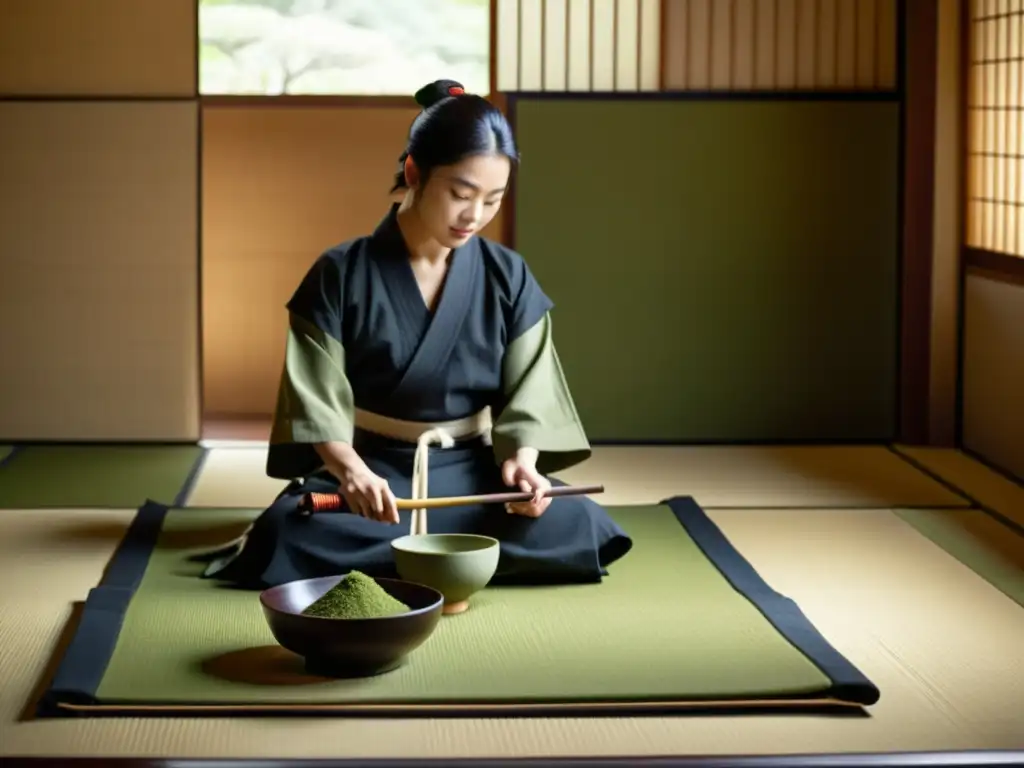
x: 459, y: 200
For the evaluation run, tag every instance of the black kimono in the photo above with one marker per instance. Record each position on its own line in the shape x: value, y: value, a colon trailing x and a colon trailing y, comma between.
x: 362, y: 339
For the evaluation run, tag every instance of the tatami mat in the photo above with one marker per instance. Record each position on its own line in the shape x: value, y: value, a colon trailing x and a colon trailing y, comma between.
x: 898, y: 591
x: 788, y: 477
x: 762, y: 476
x: 234, y: 477
x: 984, y: 485
x: 113, y: 476
x: 979, y: 541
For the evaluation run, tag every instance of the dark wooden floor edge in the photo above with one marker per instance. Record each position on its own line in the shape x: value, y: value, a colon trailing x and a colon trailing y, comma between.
x: 937, y: 759
x: 188, y: 485
x: 919, y: 52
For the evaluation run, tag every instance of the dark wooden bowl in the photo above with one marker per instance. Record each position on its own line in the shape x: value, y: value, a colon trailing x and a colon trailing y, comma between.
x: 350, y: 647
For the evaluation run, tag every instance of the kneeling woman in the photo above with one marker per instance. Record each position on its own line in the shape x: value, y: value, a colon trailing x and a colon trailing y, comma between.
x: 423, y: 352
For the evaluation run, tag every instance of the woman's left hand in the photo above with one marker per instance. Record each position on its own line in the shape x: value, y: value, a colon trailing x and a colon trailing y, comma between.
x: 521, y: 472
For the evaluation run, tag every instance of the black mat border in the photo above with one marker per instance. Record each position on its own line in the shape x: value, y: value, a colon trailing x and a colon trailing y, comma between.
x: 84, y: 664
x: 85, y: 661
x: 189, y: 484
x: 848, y: 683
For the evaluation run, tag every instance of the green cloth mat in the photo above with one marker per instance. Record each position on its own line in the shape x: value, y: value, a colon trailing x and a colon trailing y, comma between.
x: 109, y: 476
x: 665, y: 626
x: 978, y: 541
x: 5, y: 451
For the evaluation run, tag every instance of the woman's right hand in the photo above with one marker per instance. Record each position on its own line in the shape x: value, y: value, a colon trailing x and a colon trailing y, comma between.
x: 368, y: 494
x: 365, y: 493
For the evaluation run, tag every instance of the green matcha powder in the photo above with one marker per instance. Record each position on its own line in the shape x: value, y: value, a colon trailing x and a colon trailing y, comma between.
x: 357, y: 596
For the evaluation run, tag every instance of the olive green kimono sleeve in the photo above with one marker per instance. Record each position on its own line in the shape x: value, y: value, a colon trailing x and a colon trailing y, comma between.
x: 539, y: 412
x: 314, y: 401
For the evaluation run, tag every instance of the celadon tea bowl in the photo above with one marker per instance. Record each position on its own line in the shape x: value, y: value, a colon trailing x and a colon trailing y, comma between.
x: 458, y: 565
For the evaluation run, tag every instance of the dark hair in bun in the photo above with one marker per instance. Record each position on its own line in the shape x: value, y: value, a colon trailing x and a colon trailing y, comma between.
x: 453, y: 126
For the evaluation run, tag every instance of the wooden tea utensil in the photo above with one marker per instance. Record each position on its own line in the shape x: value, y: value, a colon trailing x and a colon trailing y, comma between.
x: 311, y: 503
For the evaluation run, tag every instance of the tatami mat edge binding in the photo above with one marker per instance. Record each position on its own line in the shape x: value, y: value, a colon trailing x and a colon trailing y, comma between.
x: 95, y: 636
x: 181, y: 499
x: 73, y: 689
x: 783, y: 613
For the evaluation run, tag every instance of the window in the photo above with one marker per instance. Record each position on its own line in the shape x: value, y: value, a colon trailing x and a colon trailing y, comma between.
x: 995, y: 214
x: 342, y: 47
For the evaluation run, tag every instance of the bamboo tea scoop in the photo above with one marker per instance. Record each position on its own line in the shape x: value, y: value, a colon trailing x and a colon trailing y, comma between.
x: 331, y: 502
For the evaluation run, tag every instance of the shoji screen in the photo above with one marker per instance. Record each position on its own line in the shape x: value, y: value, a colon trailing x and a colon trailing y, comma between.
x: 645, y: 45
x: 578, y: 45
x: 996, y: 103
x: 993, y: 334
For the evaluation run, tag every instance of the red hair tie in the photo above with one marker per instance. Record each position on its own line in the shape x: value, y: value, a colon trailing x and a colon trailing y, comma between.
x: 455, y: 91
